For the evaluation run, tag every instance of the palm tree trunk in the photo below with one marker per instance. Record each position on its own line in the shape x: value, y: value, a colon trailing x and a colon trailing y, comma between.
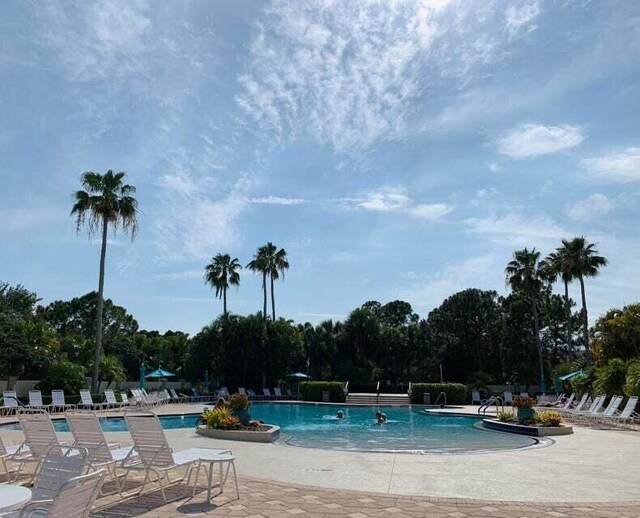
x: 536, y: 330
x: 567, y: 305
x: 95, y: 381
x: 585, y: 321
x: 273, y: 302
x: 264, y: 293
x: 224, y: 301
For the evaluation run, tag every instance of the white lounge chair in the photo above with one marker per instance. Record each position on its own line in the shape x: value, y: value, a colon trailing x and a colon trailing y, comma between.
x: 524, y: 394
x: 74, y: 500
x: 155, y: 455
x: 58, y: 401
x: 9, y: 455
x: 475, y: 397
x: 111, y: 400
x: 55, y: 489
x: 10, y: 403
x: 266, y: 393
x: 39, y: 437
x: 610, y: 410
x: 242, y: 391
x: 596, y: 407
x: 584, y: 400
x: 628, y: 414
x: 86, y: 401
x: 125, y: 398
x: 508, y: 397
x: 87, y: 433
x: 277, y: 393
x: 35, y: 401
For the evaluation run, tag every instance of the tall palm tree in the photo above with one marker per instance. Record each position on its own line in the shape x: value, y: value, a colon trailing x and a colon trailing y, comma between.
x: 583, y: 260
x: 524, y: 276
x: 260, y: 263
x: 557, y: 264
x: 278, y: 264
x: 221, y: 273
x: 106, y: 200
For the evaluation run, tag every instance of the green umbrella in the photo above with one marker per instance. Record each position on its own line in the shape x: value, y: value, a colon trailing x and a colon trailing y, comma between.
x: 143, y: 370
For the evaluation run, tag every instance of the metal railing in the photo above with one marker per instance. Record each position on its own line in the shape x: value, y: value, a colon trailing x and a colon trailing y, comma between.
x: 443, y: 396
x: 493, y: 400
x: 378, y: 392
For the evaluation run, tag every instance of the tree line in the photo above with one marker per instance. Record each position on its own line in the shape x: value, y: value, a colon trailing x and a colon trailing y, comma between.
x: 473, y: 337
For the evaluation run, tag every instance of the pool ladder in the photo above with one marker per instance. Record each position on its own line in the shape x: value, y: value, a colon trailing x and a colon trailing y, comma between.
x: 493, y: 400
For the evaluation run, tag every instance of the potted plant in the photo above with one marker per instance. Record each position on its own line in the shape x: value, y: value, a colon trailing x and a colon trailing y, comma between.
x: 525, y: 408
x: 240, y: 405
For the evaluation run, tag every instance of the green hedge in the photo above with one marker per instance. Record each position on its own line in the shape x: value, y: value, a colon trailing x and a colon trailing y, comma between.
x: 457, y: 393
x: 312, y: 391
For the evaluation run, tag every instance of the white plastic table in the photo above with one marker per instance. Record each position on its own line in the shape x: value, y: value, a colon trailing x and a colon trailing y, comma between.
x: 13, y: 497
x: 220, y: 459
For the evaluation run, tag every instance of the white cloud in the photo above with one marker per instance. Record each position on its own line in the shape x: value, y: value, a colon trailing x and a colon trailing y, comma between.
x: 343, y: 73
x: 516, y: 230
x: 529, y: 140
x: 429, y: 290
x: 619, y: 166
x: 591, y: 208
x: 191, y: 224
x: 276, y: 200
x: 178, y: 276
x: 521, y: 18
x: 397, y: 200
x: 19, y: 219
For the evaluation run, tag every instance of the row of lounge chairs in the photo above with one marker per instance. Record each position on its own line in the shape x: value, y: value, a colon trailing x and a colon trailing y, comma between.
x: 266, y: 394
x: 59, y: 404
x: 150, y: 454
x: 507, y: 397
x: 597, y: 411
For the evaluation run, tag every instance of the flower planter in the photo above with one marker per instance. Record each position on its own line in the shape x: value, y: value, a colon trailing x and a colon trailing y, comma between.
x: 525, y: 415
x: 271, y: 434
x: 243, y: 415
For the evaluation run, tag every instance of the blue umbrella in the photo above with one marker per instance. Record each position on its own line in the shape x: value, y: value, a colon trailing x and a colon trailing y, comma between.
x: 159, y: 373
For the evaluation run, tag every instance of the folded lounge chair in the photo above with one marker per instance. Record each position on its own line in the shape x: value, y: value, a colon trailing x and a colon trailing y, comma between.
x: 111, y: 400
x: 156, y: 458
x: 628, y: 414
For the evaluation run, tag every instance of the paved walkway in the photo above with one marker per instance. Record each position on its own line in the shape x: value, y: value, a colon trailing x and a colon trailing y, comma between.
x: 264, y: 499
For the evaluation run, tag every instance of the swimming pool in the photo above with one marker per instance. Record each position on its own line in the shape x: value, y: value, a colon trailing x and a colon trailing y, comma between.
x: 316, y: 426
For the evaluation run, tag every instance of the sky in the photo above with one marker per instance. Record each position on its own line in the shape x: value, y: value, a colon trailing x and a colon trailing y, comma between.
x: 396, y: 149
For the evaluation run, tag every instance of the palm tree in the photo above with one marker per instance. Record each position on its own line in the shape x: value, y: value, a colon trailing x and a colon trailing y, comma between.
x: 106, y: 200
x: 583, y: 261
x: 260, y: 263
x: 278, y: 263
x: 524, y: 276
x: 222, y: 273
x: 556, y: 265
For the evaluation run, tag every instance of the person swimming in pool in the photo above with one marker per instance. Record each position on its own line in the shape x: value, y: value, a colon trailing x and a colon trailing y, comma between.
x: 381, y: 418
x: 340, y: 414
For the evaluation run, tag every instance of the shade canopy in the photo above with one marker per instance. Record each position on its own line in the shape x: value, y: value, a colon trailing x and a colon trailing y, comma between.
x: 572, y: 375
x: 160, y: 373
x: 299, y: 376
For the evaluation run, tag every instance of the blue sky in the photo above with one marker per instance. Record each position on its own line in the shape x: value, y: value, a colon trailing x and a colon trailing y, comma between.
x: 396, y: 150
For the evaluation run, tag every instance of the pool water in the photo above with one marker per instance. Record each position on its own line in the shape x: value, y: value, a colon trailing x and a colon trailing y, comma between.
x: 316, y: 426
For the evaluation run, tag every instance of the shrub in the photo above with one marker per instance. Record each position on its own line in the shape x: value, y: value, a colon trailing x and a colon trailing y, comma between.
x: 632, y: 381
x: 549, y: 418
x: 239, y: 402
x: 312, y: 391
x: 523, y: 402
x: 506, y: 417
x: 457, y: 393
x: 611, y: 378
x: 220, y: 418
x: 63, y: 375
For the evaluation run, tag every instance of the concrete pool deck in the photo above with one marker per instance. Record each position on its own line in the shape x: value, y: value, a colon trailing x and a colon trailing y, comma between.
x: 589, y: 466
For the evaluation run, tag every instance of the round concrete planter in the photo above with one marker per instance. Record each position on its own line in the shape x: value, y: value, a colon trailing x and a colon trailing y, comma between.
x: 270, y: 435
x: 534, y: 431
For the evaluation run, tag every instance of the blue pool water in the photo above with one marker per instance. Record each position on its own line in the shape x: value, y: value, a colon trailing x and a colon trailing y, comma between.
x: 316, y: 426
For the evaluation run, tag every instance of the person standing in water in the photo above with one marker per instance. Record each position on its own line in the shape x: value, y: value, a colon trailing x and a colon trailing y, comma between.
x: 381, y: 418
x: 340, y: 414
